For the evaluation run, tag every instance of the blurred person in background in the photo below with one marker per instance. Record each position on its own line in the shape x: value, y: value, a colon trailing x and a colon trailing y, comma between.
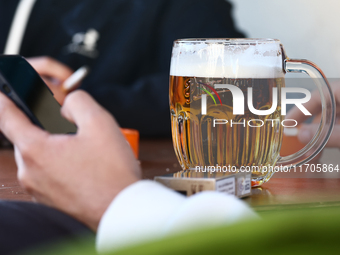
x: 125, y: 43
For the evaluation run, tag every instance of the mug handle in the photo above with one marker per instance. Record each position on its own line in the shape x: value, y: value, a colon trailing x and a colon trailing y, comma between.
x: 328, y: 114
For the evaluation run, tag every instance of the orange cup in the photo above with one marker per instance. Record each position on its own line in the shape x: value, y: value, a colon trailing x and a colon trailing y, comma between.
x: 132, y: 136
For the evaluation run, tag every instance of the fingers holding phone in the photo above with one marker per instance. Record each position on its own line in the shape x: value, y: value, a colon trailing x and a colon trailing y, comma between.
x: 23, y: 85
x: 60, y: 78
x: 50, y: 170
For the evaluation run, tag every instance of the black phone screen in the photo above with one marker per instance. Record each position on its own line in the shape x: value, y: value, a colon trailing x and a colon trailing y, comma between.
x: 20, y: 82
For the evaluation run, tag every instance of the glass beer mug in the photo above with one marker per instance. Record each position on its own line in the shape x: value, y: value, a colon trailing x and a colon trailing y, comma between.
x: 228, y: 105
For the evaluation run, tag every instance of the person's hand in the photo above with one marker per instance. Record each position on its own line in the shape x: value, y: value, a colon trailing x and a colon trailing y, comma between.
x: 307, y: 131
x: 78, y: 174
x: 54, y: 74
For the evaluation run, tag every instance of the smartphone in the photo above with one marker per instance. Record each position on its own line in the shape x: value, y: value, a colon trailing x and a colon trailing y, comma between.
x: 23, y: 85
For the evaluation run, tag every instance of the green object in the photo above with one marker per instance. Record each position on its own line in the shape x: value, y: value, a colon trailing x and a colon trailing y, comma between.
x: 293, y: 231
x: 209, y: 94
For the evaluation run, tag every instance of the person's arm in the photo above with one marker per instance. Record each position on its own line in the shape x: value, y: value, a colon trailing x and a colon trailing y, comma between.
x: 78, y: 174
x: 94, y: 173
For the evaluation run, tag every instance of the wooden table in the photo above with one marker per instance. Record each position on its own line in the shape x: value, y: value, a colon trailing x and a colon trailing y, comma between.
x: 157, y: 158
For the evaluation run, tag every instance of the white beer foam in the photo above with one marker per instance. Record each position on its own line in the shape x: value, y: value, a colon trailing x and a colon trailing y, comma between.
x: 260, y: 60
